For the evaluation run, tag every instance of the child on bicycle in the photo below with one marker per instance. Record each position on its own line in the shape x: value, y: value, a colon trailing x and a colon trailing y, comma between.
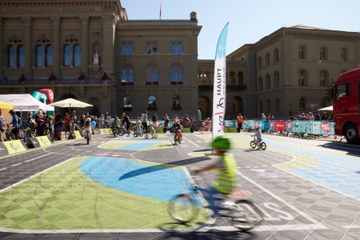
x: 226, y: 178
x: 257, y: 135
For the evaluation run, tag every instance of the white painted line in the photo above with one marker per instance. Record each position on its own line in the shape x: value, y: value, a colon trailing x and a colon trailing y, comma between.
x: 16, y: 164
x: 202, y: 228
x: 32, y: 159
x: 2, y: 169
x: 351, y: 226
x: 193, y: 143
x: 280, y: 200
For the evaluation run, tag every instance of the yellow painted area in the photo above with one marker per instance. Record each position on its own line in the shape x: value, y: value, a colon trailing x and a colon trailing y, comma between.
x: 77, y: 134
x: 44, y: 141
x: 15, y: 146
x: 105, y: 131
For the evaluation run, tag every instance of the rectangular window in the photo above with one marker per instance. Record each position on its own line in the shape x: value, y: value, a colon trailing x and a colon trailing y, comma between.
x: 342, y: 90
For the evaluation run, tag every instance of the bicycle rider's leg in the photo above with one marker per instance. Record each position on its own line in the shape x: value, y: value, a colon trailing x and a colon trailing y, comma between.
x: 210, y: 196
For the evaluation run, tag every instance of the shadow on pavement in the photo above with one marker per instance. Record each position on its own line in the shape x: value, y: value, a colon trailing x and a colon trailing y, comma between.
x: 162, y: 166
x: 353, y: 150
x: 208, y: 235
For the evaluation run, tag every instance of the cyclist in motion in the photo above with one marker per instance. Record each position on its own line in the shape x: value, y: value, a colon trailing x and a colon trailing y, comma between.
x: 226, y: 178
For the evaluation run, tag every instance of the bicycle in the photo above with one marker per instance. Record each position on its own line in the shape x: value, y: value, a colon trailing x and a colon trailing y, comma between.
x: 243, y: 213
x: 261, y: 145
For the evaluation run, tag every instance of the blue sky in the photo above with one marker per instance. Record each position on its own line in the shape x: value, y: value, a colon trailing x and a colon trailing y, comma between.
x: 249, y: 21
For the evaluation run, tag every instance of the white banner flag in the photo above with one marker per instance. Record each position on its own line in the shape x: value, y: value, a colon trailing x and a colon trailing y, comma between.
x: 219, y: 92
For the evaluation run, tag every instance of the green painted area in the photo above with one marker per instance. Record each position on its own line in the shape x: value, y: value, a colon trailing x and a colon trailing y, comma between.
x: 62, y: 198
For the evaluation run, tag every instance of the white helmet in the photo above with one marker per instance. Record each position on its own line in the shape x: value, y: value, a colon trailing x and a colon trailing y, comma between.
x: 88, y: 119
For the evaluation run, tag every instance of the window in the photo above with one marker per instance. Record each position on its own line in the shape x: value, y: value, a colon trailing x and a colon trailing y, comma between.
x: 302, y: 77
x: 151, y: 48
x: 276, y: 79
x: 342, y: 90
x: 176, y: 48
x: 176, y: 75
x: 268, y: 81
x: 343, y: 55
x: 302, y: 53
x: 267, y: 58
x: 277, y: 104
x: 268, y: 105
x: 176, y: 102
x: 72, y: 53
x: 324, y: 78
x: 152, y: 102
x: 127, y: 48
x: 127, y: 75
x: 152, y: 75
x: 323, y: 53
x: 127, y: 103
x: 44, y: 53
x: 232, y: 77
x: 241, y: 78
x: 16, y: 53
x: 276, y: 55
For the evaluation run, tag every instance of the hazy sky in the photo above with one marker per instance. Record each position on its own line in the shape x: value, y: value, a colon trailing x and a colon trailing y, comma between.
x: 250, y: 20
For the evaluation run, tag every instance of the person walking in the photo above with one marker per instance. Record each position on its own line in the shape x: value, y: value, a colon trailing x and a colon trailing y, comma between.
x: 239, y: 121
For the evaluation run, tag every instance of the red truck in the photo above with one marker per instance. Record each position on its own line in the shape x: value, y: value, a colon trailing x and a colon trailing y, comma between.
x: 346, y: 107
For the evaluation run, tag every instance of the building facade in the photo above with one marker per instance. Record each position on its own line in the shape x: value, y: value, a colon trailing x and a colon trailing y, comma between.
x: 91, y: 51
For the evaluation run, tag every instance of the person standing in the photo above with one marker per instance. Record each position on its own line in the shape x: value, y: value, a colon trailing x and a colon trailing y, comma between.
x: 126, y: 123
x: 144, y: 120
x: 239, y: 121
x: 2, y: 127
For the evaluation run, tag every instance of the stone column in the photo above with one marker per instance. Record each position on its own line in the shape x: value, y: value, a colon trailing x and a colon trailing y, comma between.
x: 28, y: 47
x: 84, y: 44
x: 2, y: 50
x: 56, y: 45
x: 109, y: 24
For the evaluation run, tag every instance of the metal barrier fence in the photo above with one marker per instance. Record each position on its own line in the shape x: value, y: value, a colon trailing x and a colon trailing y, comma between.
x: 296, y: 126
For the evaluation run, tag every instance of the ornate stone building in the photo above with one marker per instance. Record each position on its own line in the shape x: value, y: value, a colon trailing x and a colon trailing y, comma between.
x: 91, y: 51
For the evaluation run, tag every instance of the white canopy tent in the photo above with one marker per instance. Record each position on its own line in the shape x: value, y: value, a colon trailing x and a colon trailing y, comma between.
x: 329, y: 108
x: 25, y: 102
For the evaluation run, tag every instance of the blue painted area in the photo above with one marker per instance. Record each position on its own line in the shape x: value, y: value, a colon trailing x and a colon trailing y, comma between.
x: 138, y: 145
x: 338, y: 172
x: 143, y: 180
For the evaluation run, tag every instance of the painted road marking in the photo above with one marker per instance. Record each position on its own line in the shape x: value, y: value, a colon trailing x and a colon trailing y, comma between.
x: 32, y: 159
x: 309, y: 218
x: 16, y: 164
x: 2, y: 169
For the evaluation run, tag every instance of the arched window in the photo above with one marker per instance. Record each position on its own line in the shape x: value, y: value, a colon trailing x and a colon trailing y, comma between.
x: 176, y: 74
x: 261, y: 106
x: 152, y: 102
x: 72, y: 52
x: 276, y: 79
x: 268, y: 81
x: 232, y: 76
x: 302, y: 52
x: 277, y: 104
x: 77, y: 55
x: 152, y: 75
x: 323, y: 54
x: 302, y: 77
x: 67, y: 55
x: 127, y: 48
x: 267, y: 58
x: 276, y: 55
x: 268, y: 105
x: 44, y: 53
x: 343, y: 55
x: 127, y: 75
x: 176, y: 48
x: 176, y: 102
x: 324, y: 78
x: 151, y: 48
x: 15, y: 53
x: 127, y: 103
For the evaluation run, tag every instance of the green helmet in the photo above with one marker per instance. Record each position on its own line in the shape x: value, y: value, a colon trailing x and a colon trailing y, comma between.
x: 221, y: 142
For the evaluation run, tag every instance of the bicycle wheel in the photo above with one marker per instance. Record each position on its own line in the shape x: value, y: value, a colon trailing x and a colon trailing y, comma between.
x: 263, y: 145
x: 246, y: 215
x: 182, y: 208
x: 253, y: 144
